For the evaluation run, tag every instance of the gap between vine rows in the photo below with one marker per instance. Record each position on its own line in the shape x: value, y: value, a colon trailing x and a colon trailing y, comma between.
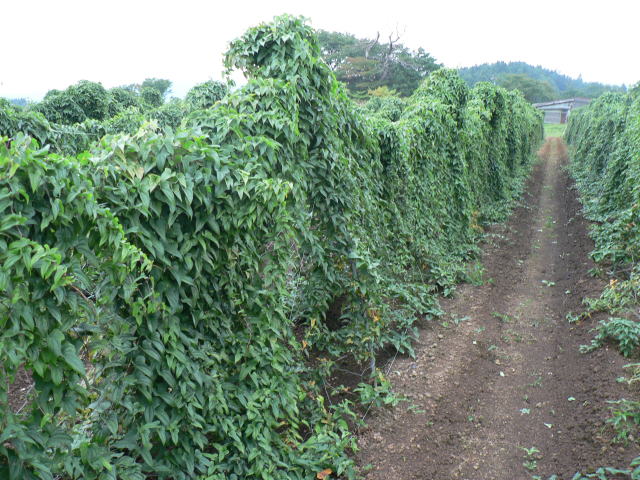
x: 502, y: 373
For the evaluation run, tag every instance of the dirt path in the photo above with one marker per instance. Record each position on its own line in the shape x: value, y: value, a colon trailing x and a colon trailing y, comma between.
x: 503, y: 372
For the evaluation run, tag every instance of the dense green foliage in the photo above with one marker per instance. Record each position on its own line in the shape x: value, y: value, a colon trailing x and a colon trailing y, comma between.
x: 161, y: 85
x: 533, y: 90
x: 84, y: 100
x: 67, y: 121
x: 205, y: 95
x: 121, y: 99
x: 562, y: 86
x: 60, y: 107
x: 151, y: 97
x: 605, y: 141
x: 64, y: 259
x: 389, y: 107
x: 366, y: 64
x: 625, y: 333
x: 197, y: 270
x: 605, y: 150
x: 91, y: 101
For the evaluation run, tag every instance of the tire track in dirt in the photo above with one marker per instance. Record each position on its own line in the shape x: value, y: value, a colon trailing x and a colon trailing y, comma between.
x: 509, y: 376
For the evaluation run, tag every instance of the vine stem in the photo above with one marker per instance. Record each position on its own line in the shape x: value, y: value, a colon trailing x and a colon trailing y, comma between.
x: 24, y: 404
x: 81, y: 293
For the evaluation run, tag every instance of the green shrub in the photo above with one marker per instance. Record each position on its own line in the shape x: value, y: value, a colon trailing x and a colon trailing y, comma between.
x: 205, y: 95
x: 624, y: 332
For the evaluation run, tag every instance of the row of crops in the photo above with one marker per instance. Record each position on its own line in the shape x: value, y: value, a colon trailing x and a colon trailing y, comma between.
x: 180, y: 296
x: 70, y: 121
x: 605, y: 147
x: 604, y: 141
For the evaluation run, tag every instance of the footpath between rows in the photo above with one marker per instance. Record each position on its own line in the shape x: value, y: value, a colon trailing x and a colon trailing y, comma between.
x: 498, y: 389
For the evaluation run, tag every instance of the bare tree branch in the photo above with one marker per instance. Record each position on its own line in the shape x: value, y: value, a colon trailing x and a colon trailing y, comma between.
x: 370, y: 45
x: 387, y: 58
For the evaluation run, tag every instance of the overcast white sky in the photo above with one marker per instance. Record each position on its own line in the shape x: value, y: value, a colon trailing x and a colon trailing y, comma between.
x: 49, y: 44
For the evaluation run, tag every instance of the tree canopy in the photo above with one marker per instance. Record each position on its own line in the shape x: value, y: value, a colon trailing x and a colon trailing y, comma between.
x: 563, y: 85
x: 84, y: 100
x: 204, y: 95
x: 151, y: 97
x: 367, y: 64
x: 120, y: 109
x: 162, y: 85
x: 532, y: 89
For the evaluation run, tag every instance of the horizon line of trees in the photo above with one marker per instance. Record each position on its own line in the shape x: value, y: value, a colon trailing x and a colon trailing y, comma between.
x: 538, y: 84
x: 87, y: 100
x: 369, y: 67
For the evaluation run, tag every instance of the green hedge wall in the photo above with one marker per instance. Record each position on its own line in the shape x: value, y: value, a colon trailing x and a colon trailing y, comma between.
x: 192, y: 287
x: 604, y: 139
x: 605, y: 147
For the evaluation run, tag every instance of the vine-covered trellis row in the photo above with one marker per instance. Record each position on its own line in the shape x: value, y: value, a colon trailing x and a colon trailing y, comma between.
x: 165, y: 289
x: 604, y: 141
x: 605, y: 149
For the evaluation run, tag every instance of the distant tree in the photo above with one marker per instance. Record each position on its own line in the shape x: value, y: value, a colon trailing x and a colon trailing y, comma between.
x: 566, y: 87
x: 204, y: 95
x: 151, y: 97
x: 407, y: 69
x: 383, y: 91
x: 366, y: 64
x: 92, y: 98
x: 162, y: 85
x: 60, y: 107
x: 532, y: 89
x: 337, y: 47
x: 132, y: 87
x: 126, y: 121
x: 169, y: 114
x: 389, y: 107
x: 122, y: 98
x: 84, y: 100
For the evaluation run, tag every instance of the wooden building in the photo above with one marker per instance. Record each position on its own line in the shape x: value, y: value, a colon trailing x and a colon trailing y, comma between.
x: 558, y: 111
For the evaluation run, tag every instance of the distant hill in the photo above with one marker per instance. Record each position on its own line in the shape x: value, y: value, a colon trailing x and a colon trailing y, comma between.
x: 563, y: 86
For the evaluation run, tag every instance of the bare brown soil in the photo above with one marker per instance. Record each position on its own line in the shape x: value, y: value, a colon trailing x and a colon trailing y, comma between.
x: 502, y: 372
x: 20, y: 390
